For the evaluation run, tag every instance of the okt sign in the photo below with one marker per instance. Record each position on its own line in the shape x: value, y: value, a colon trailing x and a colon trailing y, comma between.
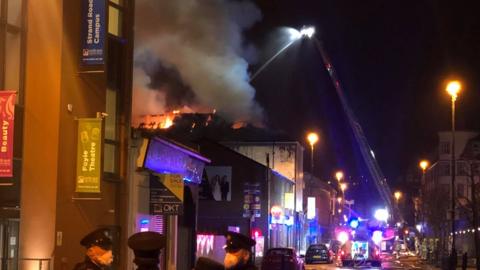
x: 166, y: 194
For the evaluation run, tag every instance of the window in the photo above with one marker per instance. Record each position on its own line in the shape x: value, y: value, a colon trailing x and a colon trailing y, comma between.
x: 462, y: 168
x: 115, y: 17
x: 444, y: 168
x: 444, y: 148
x: 461, y: 190
x: 12, y: 46
x: 115, y: 64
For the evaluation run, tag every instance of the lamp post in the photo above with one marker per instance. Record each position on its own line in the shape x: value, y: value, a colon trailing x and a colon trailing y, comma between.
x: 397, y: 195
x: 424, y: 164
x: 339, y: 176
x: 453, y: 88
x: 312, y: 138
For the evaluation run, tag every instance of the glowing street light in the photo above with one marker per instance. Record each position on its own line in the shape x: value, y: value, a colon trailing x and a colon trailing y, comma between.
x: 424, y: 165
x: 453, y: 88
x: 312, y: 139
x: 339, y: 175
x: 343, y: 187
x: 397, y: 195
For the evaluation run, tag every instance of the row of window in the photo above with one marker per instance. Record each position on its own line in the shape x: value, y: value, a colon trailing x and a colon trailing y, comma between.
x: 462, y: 169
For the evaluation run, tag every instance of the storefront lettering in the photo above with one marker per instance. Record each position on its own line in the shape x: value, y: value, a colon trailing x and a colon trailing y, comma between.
x: 92, y: 157
x: 90, y: 22
x: 97, y: 29
x: 4, y: 146
x: 85, y: 161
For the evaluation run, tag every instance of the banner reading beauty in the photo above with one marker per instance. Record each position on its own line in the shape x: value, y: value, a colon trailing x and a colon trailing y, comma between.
x: 7, y: 109
x: 88, y: 155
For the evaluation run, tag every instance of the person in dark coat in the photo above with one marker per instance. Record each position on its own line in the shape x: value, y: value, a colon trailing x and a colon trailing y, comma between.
x: 238, y: 252
x: 146, y: 247
x: 204, y: 263
x: 99, y: 251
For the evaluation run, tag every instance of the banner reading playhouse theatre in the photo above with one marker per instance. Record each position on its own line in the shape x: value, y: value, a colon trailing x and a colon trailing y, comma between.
x: 93, y: 32
x: 7, y: 109
x: 89, y: 148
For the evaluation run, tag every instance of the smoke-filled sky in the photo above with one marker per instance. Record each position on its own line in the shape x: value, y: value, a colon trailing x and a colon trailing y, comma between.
x: 190, y: 53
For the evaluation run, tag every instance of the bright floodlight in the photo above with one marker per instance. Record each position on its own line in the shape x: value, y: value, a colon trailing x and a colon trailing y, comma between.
x: 307, y: 31
x: 294, y: 34
x: 342, y: 237
x: 377, y: 237
x: 381, y: 215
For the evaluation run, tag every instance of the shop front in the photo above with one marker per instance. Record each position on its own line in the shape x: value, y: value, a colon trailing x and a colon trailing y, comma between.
x: 164, y: 197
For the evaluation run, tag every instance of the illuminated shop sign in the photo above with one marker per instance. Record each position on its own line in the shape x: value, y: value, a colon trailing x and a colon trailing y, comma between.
x: 161, y: 156
x: 311, y: 208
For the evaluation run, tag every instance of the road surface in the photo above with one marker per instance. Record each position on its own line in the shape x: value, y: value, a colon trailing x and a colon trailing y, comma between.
x: 388, y: 263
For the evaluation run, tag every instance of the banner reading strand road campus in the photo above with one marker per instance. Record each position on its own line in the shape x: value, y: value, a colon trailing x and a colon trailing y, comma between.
x: 88, y: 155
x: 7, y: 108
x: 93, y: 32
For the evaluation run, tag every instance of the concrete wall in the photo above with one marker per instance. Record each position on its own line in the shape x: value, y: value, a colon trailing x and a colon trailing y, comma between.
x: 41, y: 129
x: 53, y: 217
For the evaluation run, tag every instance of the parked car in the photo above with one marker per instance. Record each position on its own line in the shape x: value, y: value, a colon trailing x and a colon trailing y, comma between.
x: 318, y: 253
x: 282, y: 259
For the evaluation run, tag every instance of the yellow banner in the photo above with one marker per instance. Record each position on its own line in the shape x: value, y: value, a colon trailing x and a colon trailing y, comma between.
x: 89, y: 147
x: 174, y: 183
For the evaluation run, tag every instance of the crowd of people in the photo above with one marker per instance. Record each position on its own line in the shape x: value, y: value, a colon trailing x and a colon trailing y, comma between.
x: 147, y: 247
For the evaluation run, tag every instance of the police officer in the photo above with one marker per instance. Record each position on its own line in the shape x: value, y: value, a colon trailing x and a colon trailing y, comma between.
x: 238, y: 252
x: 204, y: 263
x: 99, y: 251
x: 147, y: 246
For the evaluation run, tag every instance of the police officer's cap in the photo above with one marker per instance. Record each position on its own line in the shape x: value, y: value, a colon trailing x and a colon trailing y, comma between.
x: 97, y: 238
x: 146, y: 244
x: 236, y: 241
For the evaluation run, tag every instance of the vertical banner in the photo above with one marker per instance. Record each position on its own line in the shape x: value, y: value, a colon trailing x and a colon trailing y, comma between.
x: 7, y: 109
x: 89, y: 147
x: 93, y: 32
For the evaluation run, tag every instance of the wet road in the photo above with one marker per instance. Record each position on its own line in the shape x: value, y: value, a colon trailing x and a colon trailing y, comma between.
x: 388, y: 263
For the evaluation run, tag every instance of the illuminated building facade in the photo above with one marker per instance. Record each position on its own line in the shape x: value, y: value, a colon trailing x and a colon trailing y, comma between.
x: 258, y: 202
x: 45, y: 46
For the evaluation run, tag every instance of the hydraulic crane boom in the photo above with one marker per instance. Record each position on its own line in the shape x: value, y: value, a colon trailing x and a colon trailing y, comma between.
x: 367, y: 153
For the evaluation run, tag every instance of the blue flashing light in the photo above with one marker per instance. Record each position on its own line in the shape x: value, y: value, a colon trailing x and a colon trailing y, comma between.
x: 353, y: 223
x: 144, y: 221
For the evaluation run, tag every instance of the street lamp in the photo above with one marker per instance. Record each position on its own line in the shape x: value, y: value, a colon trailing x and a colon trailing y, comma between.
x: 339, y: 175
x: 453, y: 88
x: 343, y: 187
x: 397, y: 195
x: 424, y: 165
x: 312, y: 138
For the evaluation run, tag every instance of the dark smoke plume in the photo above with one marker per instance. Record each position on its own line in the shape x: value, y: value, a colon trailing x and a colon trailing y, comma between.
x: 189, y: 53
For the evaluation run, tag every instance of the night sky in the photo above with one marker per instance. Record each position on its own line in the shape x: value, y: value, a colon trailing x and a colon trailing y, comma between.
x: 392, y: 58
